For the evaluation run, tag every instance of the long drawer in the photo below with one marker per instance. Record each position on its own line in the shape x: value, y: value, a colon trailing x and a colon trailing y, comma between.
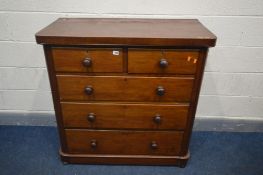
x: 123, y: 142
x: 121, y: 88
x: 124, y: 116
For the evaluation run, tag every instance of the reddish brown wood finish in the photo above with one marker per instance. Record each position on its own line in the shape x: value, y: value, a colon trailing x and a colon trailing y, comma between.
x: 124, y: 99
x: 148, y: 61
x: 124, y: 142
x: 118, y: 88
x: 55, y: 96
x: 125, y: 116
x: 125, y: 159
x: 102, y: 60
x: 194, y: 100
x: 158, y: 32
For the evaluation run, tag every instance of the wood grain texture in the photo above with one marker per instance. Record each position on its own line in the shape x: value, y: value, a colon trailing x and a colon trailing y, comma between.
x: 55, y: 96
x: 125, y: 159
x: 85, y: 31
x: 194, y: 101
x: 124, y: 116
x: 148, y: 61
x: 124, y: 88
x: 124, y: 142
x: 102, y: 59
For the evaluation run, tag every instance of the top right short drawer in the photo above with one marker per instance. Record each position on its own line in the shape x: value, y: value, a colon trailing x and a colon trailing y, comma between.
x: 169, y: 61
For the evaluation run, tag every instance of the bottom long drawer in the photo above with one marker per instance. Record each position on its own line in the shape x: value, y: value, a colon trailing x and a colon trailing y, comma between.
x: 124, y: 142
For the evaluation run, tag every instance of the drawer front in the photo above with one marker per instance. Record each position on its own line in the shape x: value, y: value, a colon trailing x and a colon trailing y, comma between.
x: 87, y: 60
x: 124, y: 142
x: 124, y: 116
x: 162, y: 61
x: 118, y: 88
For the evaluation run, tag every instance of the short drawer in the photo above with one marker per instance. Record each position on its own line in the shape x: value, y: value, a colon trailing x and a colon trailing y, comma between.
x: 162, y: 61
x: 124, y: 116
x: 124, y: 142
x: 87, y: 60
x: 121, y: 88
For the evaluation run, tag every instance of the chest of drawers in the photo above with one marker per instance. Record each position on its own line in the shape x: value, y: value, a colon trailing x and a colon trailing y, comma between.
x: 125, y: 91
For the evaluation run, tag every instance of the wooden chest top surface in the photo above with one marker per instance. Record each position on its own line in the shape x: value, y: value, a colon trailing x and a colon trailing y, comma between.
x: 86, y: 31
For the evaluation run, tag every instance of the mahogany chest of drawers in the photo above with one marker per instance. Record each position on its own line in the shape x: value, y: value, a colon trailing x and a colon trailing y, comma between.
x: 125, y: 91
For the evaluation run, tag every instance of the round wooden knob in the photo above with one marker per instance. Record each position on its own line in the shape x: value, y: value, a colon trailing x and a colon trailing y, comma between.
x: 93, y: 143
x: 163, y: 63
x: 91, y: 117
x: 157, y: 119
x: 88, y: 90
x: 160, y: 91
x: 87, y: 62
x: 154, y: 145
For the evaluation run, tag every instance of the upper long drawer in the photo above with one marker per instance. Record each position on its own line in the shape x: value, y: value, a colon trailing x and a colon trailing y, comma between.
x: 162, y: 61
x: 121, y: 88
x: 87, y: 60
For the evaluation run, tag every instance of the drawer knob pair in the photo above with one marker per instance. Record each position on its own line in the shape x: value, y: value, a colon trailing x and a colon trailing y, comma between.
x: 87, y: 62
x: 94, y: 144
x: 163, y: 63
x: 91, y: 117
x: 89, y: 90
x: 160, y: 91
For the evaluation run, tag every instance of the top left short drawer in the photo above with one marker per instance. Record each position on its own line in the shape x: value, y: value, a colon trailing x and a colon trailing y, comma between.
x: 107, y: 60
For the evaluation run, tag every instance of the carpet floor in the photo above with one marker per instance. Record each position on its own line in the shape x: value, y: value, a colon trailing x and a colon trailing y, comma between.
x: 31, y: 150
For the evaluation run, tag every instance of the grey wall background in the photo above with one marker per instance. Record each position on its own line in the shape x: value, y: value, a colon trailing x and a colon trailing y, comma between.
x: 233, y: 82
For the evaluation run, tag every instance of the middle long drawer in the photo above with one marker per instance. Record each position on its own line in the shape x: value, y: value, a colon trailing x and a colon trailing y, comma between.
x: 124, y: 115
x: 124, y: 88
